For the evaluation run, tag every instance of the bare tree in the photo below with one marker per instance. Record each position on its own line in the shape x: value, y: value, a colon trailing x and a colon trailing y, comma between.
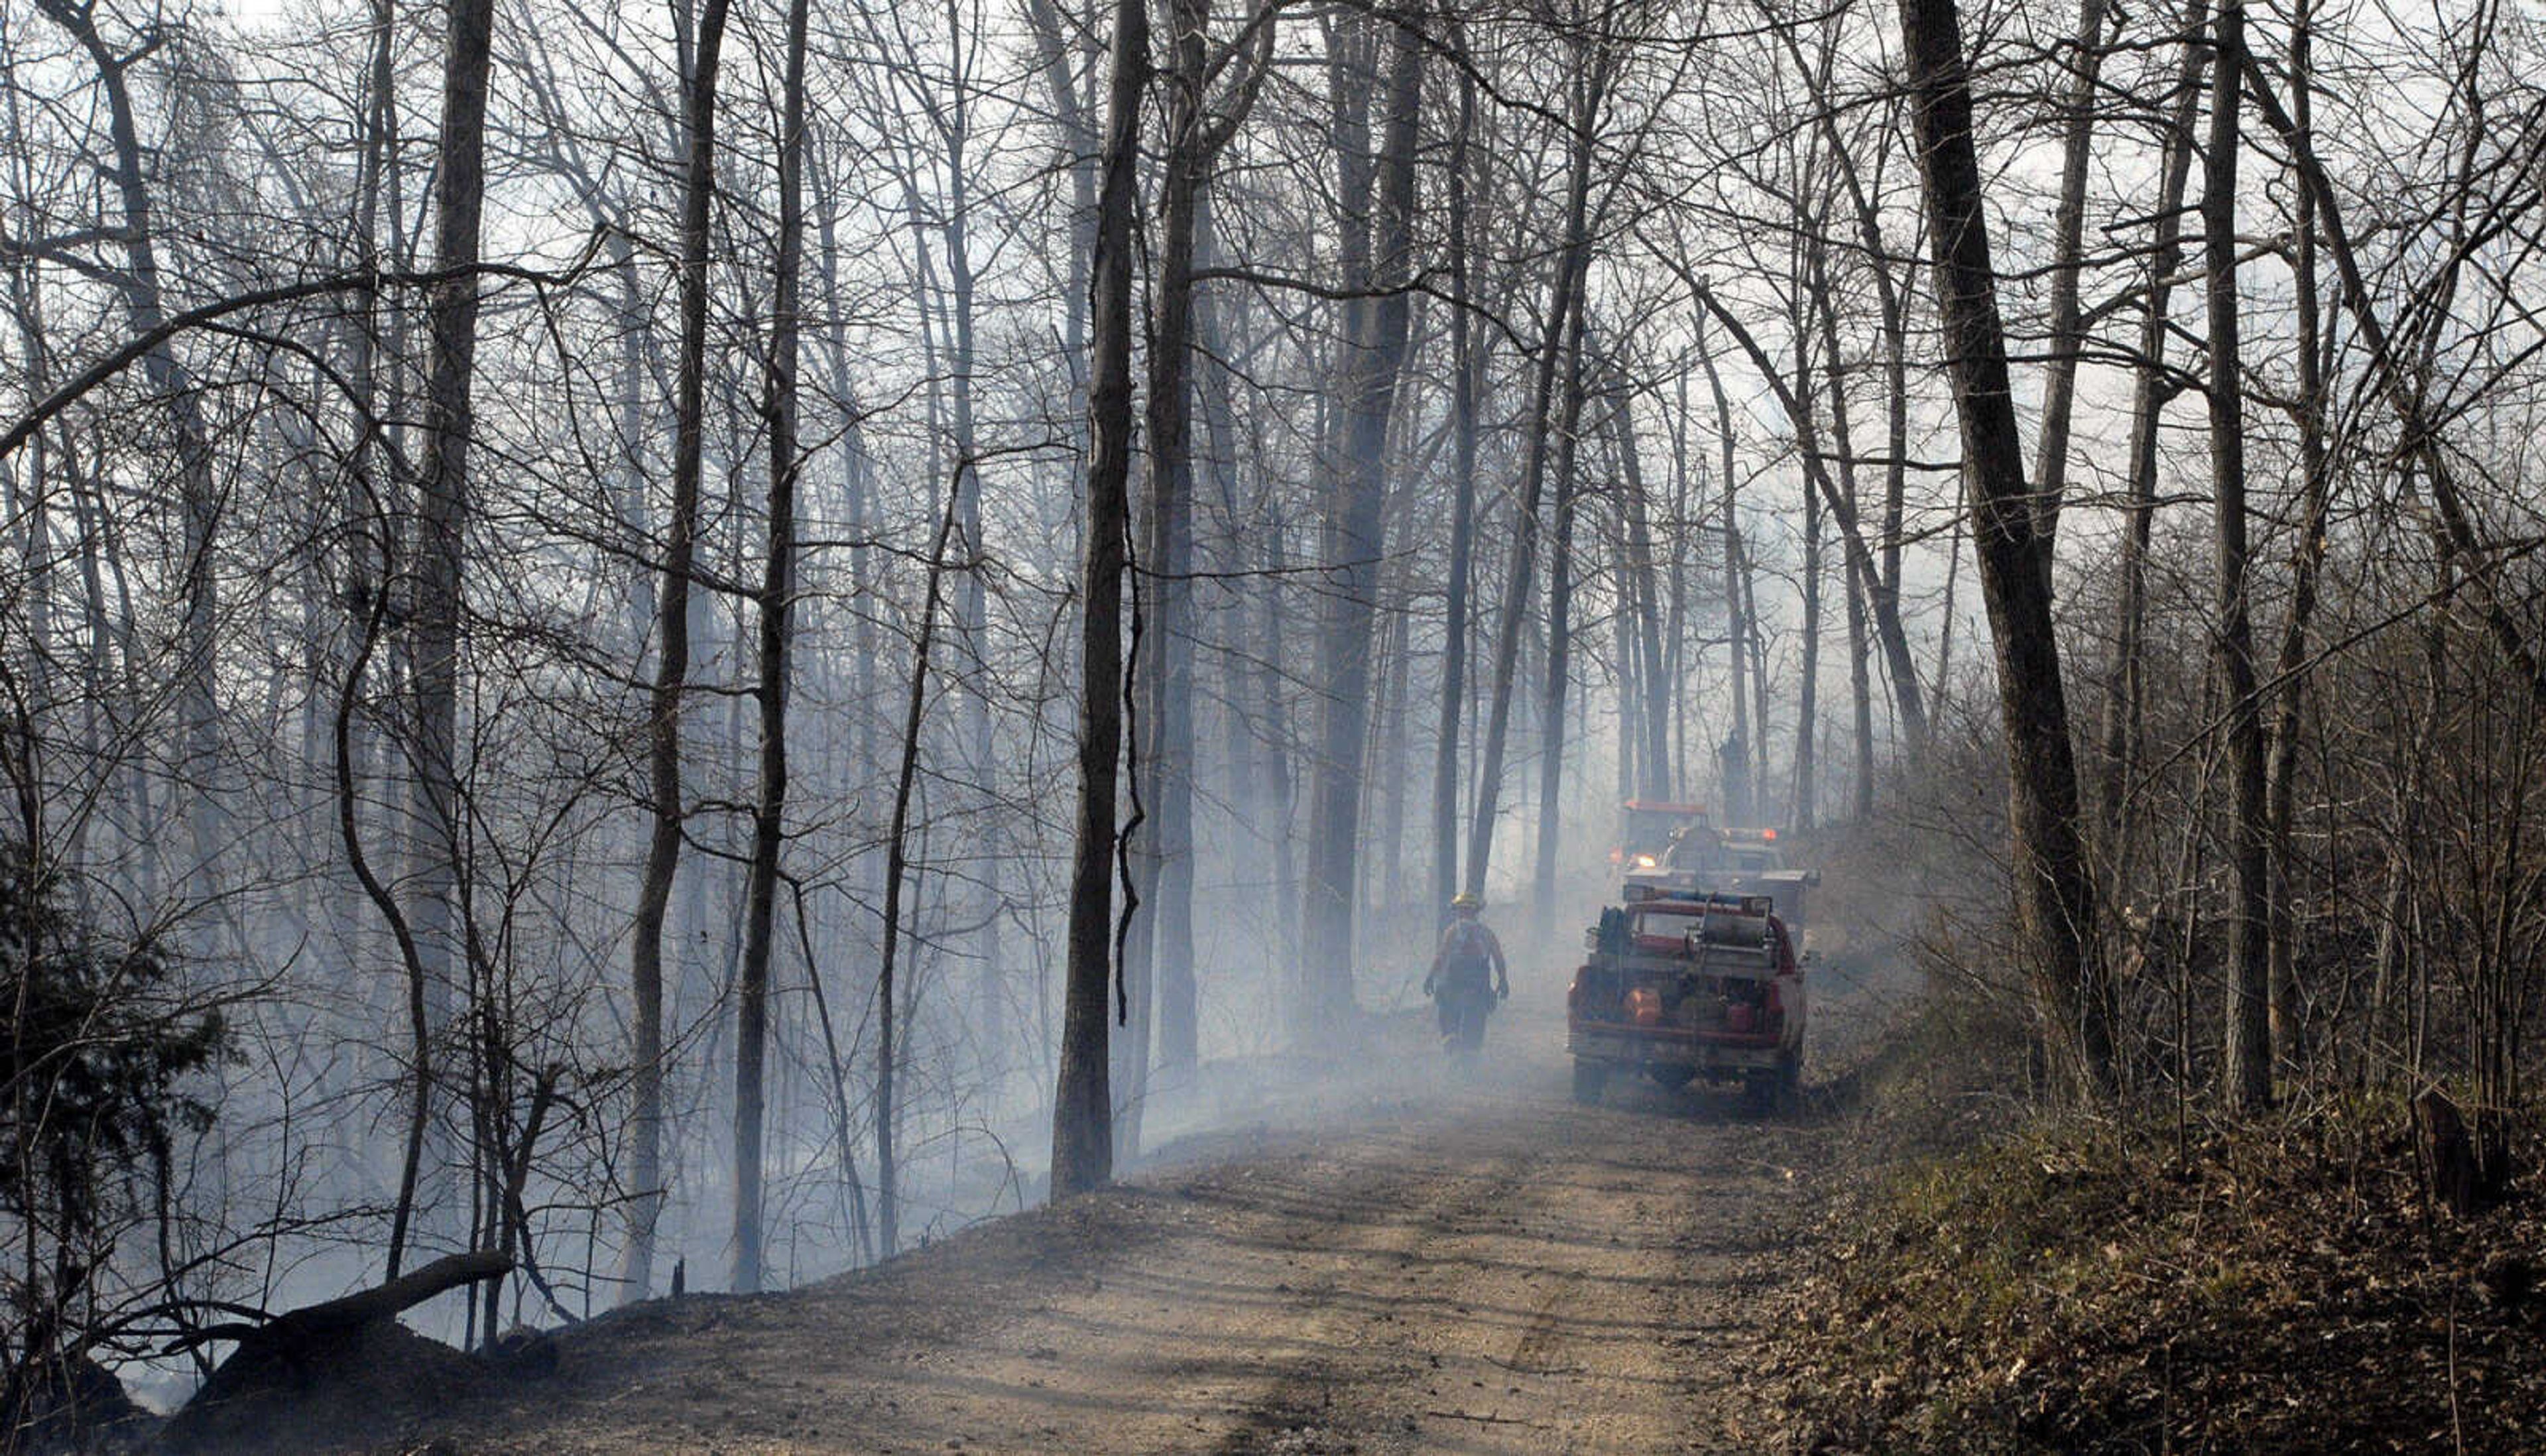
x: 2054, y: 896
x: 2249, y: 1051
x: 1082, y: 1120
x: 2151, y: 387
x: 1587, y: 94
x: 1376, y: 260
x: 1194, y: 135
x: 1467, y: 366
x: 2067, y: 226
x: 1559, y: 614
x: 2314, y: 358
x: 146, y: 308
x: 672, y: 656
x: 777, y: 585
x: 460, y: 196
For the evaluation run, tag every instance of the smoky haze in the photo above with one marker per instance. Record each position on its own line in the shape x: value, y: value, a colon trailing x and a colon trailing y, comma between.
x: 556, y: 561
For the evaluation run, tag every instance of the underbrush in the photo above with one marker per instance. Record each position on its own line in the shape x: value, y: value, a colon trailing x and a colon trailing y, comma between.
x: 1995, y: 1281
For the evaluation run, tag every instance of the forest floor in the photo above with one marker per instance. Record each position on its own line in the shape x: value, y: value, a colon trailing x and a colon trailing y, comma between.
x: 2102, y: 1286
x: 1390, y: 1254
x: 1411, y: 1258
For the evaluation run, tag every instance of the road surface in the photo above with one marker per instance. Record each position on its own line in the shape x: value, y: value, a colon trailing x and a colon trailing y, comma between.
x: 1420, y: 1262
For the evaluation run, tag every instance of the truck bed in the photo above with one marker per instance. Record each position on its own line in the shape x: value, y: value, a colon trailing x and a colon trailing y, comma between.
x: 1681, y: 990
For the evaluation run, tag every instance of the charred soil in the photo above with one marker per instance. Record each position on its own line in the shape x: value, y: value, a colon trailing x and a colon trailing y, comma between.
x: 1434, y: 1256
x: 1430, y: 1259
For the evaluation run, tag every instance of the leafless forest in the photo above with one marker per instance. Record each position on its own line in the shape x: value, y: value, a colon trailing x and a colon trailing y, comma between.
x: 701, y: 641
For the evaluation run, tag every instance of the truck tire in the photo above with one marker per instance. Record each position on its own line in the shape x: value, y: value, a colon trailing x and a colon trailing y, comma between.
x: 1590, y: 1077
x: 1774, y: 1092
x: 1759, y: 1096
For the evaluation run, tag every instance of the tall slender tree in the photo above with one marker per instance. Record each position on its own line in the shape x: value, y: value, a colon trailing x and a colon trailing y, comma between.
x: 141, y: 283
x: 1587, y: 95
x: 1466, y: 365
x: 2068, y: 263
x: 672, y: 654
x: 1194, y: 135
x: 1376, y: 261
x: 2054, y: 896
x: 777, y: 590
x: 2250, y: 1046
x: 460, y: 198
x: 1559, y: 619
x: 2152, y: 388
x: 2315, y: 350
x: 1083, y: 1122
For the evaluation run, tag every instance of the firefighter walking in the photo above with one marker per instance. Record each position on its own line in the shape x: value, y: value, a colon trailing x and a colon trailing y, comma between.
x: 1468, y: 975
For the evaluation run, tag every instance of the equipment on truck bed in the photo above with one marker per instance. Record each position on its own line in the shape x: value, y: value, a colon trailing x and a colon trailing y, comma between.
x: 1688, y: 986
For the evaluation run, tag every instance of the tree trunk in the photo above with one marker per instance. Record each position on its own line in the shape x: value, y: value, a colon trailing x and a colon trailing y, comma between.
x: 1737, y: 753
x: 460, y: 192
x: 1560, y: 628
x: 1237, y: 550
x: 897, y: 870
x: 1564, y: 299
x: 971, y: 601
x: 1860, y: 696
x: 2068, y: 236
x: 857, y: 466
x: 1392, y: 756
x: 2315, y: 350
x: 1682, y: 516
x: 2125, y: 688
x: 290, y: 1339
x: 1801, y: 804
x: 1375, y: 333
x: 777, y: 587
x: 145, y: 309
x: 1082, y: 1124
x: 1467, y: 364
x: 2250, y: 1046
x: 672, y: 657
x: 2055, y: 897
x: 1860, y: 577
x: 1168, y: 635
x: 1279, y: 773
x: 1641, y: 596
x: 1079, y: 151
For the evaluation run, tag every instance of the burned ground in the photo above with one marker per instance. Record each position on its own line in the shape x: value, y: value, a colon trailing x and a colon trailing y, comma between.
x: 1423, y: 1260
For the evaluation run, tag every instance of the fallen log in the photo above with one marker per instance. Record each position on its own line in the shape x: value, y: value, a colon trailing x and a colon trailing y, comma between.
x: 400, y: 1294
x: 347, y: 1355
x: 312, y: 1322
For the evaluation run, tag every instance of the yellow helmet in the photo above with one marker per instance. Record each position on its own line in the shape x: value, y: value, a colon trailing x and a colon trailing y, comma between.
x: 1462, y: 901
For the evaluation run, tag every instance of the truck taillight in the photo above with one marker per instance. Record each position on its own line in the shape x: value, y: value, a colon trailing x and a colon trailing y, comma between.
x: 1645, y: 1006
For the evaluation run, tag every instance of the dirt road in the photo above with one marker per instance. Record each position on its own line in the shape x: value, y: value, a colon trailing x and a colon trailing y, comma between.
x: 1422, y: 1263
